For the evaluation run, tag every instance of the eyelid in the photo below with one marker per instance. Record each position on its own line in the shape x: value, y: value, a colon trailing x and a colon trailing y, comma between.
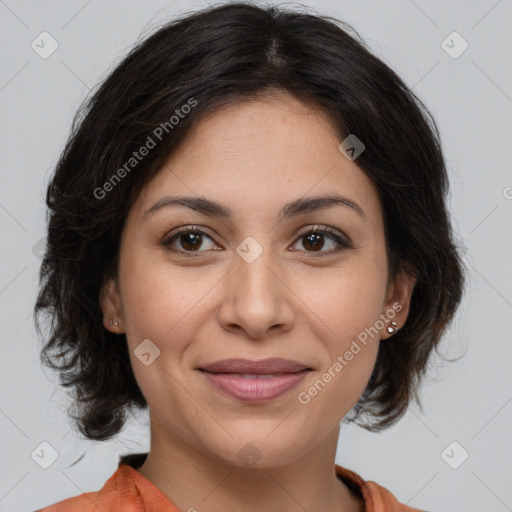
x: 324, y: 228
x: 186, y: 228
x: 343, y: 241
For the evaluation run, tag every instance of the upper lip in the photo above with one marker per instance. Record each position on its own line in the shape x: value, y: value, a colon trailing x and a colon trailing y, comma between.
x: 261, y: 367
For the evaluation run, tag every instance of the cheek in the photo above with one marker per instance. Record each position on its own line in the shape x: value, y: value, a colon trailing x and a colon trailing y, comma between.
x: 157, y: 298
x: 345, y: 307
x: 158, y: 304
x: 166, y: 305
x: 348, y: 299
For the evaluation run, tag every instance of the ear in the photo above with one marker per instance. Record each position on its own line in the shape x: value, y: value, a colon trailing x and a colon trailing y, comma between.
x: 397, y: 302
x: 110, y: 304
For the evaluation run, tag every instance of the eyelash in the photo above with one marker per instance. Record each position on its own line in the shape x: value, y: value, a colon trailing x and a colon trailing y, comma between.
x: 343, y: 243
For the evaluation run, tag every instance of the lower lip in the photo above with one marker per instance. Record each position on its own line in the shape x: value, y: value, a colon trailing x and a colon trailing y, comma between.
x: 254, y: 390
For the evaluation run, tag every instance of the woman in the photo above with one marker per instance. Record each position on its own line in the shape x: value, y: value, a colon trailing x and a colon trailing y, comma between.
x: 248, y: 236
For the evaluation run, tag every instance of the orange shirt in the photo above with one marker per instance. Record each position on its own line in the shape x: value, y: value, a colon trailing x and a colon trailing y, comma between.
x: 127, y: 490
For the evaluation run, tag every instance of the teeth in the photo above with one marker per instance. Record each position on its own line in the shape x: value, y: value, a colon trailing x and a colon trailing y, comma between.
x: 252, y: 376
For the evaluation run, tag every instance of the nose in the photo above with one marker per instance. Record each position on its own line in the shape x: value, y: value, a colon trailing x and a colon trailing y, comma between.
x: 257, y: 299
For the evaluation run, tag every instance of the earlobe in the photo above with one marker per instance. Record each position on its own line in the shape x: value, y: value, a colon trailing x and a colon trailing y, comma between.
x: 110, y: 306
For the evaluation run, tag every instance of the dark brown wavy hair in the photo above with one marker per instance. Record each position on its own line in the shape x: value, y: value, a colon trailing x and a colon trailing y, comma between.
x: 210, y: 59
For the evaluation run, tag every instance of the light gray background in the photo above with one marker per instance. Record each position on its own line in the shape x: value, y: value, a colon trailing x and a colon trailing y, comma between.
x: 471, y: 98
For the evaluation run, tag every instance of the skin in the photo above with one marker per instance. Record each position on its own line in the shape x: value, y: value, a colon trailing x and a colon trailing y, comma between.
x: 293, y: 302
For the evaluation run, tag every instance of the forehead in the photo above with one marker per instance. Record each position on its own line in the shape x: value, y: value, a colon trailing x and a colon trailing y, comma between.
x: 256, y: 155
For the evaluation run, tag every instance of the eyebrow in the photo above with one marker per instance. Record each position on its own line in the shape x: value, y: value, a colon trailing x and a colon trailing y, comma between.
x: 297, y: 207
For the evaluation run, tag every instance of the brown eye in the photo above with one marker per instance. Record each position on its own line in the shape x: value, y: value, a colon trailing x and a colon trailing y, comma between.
x: 314, y: 240
x: 188, y: 240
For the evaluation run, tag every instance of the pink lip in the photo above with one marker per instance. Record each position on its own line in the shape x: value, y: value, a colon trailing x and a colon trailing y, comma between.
x: 257, y: 389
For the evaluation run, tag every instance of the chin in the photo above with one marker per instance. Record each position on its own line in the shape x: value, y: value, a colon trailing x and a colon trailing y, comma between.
x: 258, y: 452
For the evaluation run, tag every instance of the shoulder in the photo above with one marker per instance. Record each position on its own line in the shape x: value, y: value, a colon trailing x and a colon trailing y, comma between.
x: 117, y: 494
x: 384, y: 499
x: 376, y: 497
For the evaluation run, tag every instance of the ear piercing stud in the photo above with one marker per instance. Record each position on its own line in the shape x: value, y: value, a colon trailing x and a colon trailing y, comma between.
x: 393, y: 328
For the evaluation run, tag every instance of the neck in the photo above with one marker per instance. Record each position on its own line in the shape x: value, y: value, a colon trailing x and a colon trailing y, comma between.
x: 195, y: 480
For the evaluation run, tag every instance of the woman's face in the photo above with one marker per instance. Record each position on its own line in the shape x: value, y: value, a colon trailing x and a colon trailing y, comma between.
x: 256, y: 283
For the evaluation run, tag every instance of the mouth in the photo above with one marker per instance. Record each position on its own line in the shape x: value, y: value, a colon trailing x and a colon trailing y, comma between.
x: 271, y: 366
x: 253, y: 375
x: 255, y: 381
